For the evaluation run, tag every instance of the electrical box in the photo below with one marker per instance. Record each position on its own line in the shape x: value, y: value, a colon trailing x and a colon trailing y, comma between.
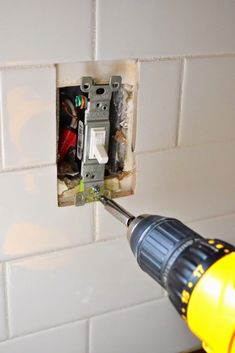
x: 95, y: 141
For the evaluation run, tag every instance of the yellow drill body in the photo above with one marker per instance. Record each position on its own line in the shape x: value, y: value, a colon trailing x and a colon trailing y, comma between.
x: 211, y: 309
x: 197, y: 273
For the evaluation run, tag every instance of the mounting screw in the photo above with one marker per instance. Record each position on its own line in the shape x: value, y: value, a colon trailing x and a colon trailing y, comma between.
x: 96, y: 189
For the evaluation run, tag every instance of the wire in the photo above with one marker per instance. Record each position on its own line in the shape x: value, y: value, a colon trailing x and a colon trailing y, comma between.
x: 81, y: 102
x: 68, y: 104
x: 67, y: 111
x: 84, y: 102
x: 71, y: 106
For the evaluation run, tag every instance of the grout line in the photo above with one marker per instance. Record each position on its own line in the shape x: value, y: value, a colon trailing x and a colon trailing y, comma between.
x: 25, y: 66
x: 159, y: 150
x: 44, y: 330
x: 170, y: 148
x: 94, y: 31
x: 59, y: 250
x: 226, y: 214
x: 186, y: 56
x: 101, y: 241
x: 38, y: 65
x: 6, y: 300
x: 180, y: 102
x: 88, y: 343
x: 130, y: 306
x: 164, y: 149
x: 84, y: 319
x: 22, y: 168
x: 45, y: 253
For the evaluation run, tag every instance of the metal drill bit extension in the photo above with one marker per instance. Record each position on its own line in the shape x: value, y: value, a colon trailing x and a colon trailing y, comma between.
x: 117, y: 211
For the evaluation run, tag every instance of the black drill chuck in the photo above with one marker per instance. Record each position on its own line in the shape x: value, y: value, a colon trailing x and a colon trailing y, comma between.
x: 170, y: 252
x: 173, y: 254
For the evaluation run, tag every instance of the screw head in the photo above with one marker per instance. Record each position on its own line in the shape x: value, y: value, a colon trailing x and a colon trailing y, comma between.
x: 96, y: 189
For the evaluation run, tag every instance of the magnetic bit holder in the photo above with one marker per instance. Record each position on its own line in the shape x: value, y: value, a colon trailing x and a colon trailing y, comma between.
x: 117, y: 211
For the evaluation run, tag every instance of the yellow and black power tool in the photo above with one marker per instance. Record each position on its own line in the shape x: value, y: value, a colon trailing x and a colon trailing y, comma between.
x: 197, y: 273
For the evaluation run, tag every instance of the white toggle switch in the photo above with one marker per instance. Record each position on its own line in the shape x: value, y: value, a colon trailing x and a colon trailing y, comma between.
x: 97, y: 143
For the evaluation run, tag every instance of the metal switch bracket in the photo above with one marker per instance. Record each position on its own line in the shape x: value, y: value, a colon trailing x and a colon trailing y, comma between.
x: 96, y: 116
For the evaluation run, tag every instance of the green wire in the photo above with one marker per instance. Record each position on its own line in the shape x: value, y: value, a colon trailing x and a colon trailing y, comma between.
x: 78, y: 101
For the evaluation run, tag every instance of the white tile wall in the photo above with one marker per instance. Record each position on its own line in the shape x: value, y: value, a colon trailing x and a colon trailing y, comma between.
x: 28, y: 114
x: 107, y: 226
x: 70, y: 338
x: 75, y: 284
x: 186, y: 183
x: 3, y: 311
x: 150, y: 328
x: 158, y: 104
x: 31, y: 222
x: 219, y: 227
x: 208, y: 112
x: 136, y: 29
x: 45, y: 31
x: 101, y: 282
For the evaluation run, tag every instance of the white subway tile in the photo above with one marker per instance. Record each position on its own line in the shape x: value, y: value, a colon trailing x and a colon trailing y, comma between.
x: 3, y: 318
x: 70, y: 338
x: 28, y: 114
x: 74, y: 284
x: 149, y: 328
x: 31, y: 221
x: 219, y: 227
x: 107, y: 226
x: 136, y: 29
x: 45, y: 31
x: 188, y: 183
x: 208, y: 106
x: 158, y: 105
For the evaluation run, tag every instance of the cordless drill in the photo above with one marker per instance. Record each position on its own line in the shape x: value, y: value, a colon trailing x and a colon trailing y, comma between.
x: 197, y: 273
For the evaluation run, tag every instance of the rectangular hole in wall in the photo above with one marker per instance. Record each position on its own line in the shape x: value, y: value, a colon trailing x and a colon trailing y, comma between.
x: 75, y: 185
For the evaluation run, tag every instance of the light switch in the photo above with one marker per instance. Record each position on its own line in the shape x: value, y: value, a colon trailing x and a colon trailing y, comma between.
x: 95, y: 147
x: 97, y: 143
